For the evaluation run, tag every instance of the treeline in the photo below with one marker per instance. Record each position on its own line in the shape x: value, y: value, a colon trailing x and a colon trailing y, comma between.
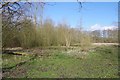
x: 105, y: 36
x: 29, y: 34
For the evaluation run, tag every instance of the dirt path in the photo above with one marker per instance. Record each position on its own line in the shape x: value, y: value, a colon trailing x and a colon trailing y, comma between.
x: 107, y: 44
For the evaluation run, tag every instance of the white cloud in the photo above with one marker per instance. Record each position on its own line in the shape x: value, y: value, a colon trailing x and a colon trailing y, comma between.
x: 95, y: 27
x: 99, y: 27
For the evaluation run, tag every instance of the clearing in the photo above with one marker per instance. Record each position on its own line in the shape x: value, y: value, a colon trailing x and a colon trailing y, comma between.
x: 98, y: 62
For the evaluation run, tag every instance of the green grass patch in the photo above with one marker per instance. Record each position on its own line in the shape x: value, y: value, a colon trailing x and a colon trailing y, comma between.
x: 100, y: 63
